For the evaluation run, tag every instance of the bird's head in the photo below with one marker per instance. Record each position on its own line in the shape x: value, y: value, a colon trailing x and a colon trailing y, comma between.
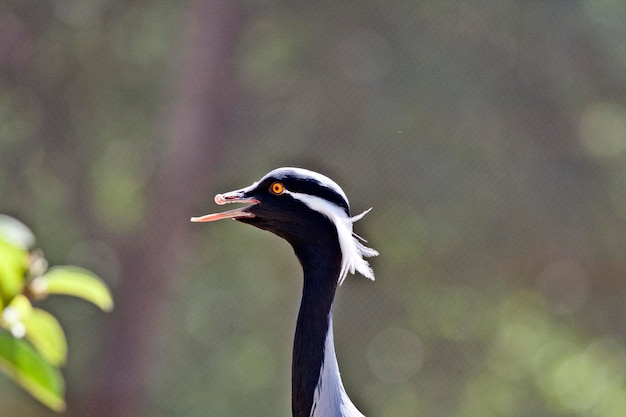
x: 298, y: 205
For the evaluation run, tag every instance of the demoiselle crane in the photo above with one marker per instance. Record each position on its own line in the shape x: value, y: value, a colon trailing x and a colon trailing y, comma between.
x: 312, y: 213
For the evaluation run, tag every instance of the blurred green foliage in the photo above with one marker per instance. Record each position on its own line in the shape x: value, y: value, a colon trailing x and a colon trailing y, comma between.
x: 32, y: 343
x: 488, y: 136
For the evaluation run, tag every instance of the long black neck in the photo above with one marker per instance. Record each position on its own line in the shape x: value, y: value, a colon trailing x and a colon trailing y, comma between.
x: 321, y: 262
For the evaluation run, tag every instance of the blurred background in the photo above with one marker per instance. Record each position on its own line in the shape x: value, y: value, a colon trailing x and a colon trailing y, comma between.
x: 490, y: 138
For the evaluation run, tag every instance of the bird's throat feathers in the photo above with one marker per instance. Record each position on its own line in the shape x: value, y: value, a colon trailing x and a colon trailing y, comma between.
x: 316, y: 383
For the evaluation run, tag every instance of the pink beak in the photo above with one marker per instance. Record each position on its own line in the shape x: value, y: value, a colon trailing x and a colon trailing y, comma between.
x: 231, y: 197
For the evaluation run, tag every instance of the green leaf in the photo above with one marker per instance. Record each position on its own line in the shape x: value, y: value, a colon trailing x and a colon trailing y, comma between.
x: 14, y: 313
x: 79, y: 282
x: 13, y: 266
x: 44, y: 331
x: 22, y: 305
x: 20, y: 361
x: 41, y: 328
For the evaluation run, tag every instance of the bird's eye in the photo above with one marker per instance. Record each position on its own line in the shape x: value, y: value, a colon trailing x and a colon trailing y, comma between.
x: 277, y: 188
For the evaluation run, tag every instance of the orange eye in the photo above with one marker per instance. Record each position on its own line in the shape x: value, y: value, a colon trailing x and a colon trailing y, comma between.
x: 277, y: 188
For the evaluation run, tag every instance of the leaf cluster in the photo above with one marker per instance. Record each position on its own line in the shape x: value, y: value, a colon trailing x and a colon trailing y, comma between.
x: 33, y: 346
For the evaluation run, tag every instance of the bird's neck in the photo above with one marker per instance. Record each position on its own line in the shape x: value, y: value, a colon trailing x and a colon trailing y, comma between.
x: 316, y: 386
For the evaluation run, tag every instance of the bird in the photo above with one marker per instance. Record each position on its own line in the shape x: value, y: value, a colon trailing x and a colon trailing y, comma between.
x: 312, y: 213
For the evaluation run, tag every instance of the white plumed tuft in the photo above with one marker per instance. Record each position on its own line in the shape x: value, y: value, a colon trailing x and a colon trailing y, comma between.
x: 353, y: 250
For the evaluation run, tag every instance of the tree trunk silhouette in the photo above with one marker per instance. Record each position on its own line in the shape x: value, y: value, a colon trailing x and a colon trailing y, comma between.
x: 193, y: 138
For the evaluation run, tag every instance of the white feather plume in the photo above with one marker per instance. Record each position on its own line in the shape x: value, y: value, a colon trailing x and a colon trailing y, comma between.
x: 353, y: 251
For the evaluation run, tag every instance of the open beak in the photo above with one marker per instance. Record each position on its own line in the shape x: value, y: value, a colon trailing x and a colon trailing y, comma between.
x: 231, y: 197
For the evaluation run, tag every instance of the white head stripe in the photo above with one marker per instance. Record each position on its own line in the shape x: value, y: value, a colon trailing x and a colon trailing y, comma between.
x: 308, y: 175
x: 352, y: 250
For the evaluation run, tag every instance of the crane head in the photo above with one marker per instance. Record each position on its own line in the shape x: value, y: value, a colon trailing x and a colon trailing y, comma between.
x: 299, y: 205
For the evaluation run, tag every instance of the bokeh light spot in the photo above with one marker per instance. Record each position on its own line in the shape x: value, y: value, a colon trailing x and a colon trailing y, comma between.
x: 395, y: 355
x: 603, y: 130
